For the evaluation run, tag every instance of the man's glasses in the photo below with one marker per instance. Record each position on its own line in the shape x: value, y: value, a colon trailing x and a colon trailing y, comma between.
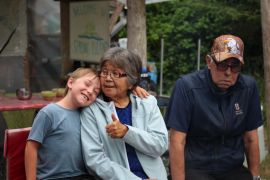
x: 223, y: 66
x: 113, y: 74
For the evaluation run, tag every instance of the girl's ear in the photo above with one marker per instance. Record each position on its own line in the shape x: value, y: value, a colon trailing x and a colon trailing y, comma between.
x: 70, y: 82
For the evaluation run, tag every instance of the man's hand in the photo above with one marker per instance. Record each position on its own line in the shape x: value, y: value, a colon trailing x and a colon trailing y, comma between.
x: 116, y: 129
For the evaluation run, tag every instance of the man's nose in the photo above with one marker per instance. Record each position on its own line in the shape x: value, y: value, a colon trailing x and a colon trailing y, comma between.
x: 228, y: 70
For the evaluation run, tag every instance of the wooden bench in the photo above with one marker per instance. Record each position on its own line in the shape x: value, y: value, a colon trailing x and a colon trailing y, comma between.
x: 14, y: 146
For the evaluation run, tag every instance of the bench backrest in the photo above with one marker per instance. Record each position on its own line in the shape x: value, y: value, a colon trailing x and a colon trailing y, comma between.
x: 14, y: 146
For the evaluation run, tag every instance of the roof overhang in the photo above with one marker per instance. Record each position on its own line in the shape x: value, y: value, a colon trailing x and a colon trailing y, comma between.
x: 146, y: 1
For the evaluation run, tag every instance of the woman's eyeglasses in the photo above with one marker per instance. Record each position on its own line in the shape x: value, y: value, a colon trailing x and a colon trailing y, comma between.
x: 223, y: 66
x: 113, y: 74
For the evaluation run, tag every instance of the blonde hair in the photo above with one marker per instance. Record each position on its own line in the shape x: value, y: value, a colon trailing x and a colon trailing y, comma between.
x: 79, y: 72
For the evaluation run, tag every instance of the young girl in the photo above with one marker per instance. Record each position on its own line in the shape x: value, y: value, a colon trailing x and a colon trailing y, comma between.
x: 53, y: 149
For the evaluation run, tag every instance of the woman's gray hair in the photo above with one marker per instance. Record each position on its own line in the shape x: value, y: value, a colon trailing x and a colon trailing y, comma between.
x: 126, y: 60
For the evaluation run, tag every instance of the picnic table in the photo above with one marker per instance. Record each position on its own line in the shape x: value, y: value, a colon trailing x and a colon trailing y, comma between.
x: 14, y: 104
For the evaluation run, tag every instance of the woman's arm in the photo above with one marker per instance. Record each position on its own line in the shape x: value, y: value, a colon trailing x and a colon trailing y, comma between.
x: 31, y: 150
x: 148, y: 134
x: 98, y: 150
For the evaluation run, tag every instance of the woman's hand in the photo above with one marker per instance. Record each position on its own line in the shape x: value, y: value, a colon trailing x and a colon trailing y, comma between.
x: 142, y: 93
x: 116, y: 129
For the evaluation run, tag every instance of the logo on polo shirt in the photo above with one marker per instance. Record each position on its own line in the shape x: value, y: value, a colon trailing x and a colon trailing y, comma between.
x: 237, y: 108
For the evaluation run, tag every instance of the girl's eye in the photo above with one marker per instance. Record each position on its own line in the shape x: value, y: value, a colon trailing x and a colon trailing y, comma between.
x: 88, y: 83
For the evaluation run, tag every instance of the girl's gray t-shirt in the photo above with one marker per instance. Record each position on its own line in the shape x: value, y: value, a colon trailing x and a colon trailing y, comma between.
x: 58, y: 131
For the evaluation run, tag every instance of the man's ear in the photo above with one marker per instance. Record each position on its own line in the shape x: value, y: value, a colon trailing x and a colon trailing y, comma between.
x: 208, y: 60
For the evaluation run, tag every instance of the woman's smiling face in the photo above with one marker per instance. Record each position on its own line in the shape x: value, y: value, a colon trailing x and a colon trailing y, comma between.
x: 112, y: 86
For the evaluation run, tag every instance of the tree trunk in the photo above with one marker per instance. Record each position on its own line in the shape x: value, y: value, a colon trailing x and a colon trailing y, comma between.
x: 265, y: 15
x: 136, y: 28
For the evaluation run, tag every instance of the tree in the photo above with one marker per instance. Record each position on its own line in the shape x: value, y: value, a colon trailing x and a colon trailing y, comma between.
x: 136, y: 28
x: 265, y: 9
x: 182, y: 22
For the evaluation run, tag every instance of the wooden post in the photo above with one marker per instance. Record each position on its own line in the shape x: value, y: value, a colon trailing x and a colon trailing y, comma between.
x: 136, y: 28
x: 26, y: 69
x: 265, y: 19
x: 65, y: 44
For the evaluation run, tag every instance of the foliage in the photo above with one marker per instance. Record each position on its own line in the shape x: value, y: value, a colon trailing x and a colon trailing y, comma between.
x: 19, y: 119
x: 182, y: 22
x: 265, y: 168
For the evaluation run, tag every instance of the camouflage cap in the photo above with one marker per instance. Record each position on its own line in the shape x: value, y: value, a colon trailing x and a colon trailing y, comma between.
x: 228, y: 46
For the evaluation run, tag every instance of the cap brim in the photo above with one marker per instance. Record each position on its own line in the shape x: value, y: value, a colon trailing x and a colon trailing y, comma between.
x: 221, y: 56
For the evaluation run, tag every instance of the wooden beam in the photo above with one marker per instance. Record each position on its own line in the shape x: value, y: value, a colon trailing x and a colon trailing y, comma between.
x: 65, y: 40
x: 26, y: 69
x: 114, y: 17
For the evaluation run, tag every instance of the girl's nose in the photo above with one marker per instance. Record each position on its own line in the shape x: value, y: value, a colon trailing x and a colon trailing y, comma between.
x: 90, y: 90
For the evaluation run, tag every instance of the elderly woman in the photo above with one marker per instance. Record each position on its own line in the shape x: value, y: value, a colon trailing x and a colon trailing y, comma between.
x: 123, y: 136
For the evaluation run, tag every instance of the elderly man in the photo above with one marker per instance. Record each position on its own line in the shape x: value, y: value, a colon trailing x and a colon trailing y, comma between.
x: 213, y: 116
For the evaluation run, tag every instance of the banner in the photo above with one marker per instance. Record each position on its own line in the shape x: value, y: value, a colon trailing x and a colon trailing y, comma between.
x: 89, y: 30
